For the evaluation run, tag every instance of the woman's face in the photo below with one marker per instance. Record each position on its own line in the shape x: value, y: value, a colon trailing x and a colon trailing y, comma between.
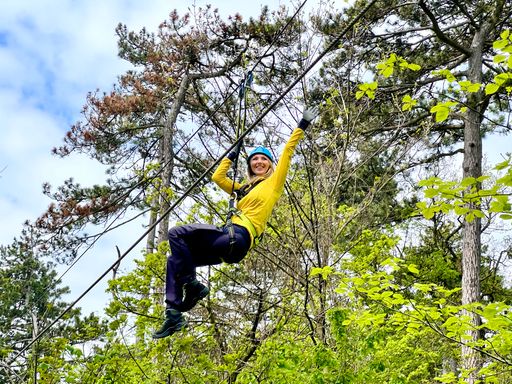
x: 259, y: 164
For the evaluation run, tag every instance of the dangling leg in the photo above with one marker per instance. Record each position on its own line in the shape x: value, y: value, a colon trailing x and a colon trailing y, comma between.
x: 191, y: 246
x: 214, y: 248
x: 181, y: 271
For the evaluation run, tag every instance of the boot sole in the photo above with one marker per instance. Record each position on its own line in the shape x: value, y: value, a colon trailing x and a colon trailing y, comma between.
x: 201, y: 295
x: 171, y: 330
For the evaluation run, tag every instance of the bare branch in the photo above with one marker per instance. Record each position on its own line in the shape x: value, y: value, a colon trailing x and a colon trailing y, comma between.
x: 439, y: 33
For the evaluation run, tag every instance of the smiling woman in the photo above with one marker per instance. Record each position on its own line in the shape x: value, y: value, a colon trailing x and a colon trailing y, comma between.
x: 259, y: 162
x: 52, y: 54
x: 196, y: 245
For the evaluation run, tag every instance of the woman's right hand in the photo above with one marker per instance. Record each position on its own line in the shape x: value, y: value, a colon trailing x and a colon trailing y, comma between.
x: 235, y: 152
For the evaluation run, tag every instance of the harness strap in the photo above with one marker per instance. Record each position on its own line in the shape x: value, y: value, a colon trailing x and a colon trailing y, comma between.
x: 244, y: 85
x: 229, y: 222
x: 245, y: 189
x: 233, y: 211
x: 250, y: 226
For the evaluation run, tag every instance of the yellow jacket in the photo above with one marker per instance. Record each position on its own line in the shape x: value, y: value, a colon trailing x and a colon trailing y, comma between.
x: 257, y: 205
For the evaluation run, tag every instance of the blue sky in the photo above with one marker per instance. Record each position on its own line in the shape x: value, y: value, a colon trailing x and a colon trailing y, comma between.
x: 52, y: 52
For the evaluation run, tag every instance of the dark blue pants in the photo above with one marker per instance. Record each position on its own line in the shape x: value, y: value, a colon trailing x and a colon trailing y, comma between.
x: 197, y: 245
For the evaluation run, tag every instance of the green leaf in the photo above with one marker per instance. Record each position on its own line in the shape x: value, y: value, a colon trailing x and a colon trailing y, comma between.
x: 461, y: 210
x: 413, y: 269
x: 429, y: 182
x: 468, y: 181
x: 475, y: 87
x: 387, y: 72
x: 398, y: 298
x: 506, y: 180
x: 442, y: 114
x: 447, y: 378
x: 506, y: 216
x: 499, y: 59
x: 325, y: 271
x: 408, y: 103
x: 381, y: 66
x: 478, y: 213
x: 500, y: 44
x: 502, y: 78
x: 392, y: 58
x: 491, y: 88
x: 407, y: 99
x: 428, y: 213
x: 423, y: 287
x: 450, y: 77
x: 447, y: 74
x: 483, y: 178
x: 442, y: 110
x: 430, y: 193
x: 502, y: 165
x: 421, y: 205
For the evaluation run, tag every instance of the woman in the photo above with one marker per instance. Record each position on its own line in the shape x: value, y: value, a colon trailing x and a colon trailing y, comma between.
x: 196, y: 245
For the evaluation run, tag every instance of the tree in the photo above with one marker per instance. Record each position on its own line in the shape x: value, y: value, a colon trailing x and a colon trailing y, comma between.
x: 186, y: 71
x: 30, y: 299
x: 449, y: 41
x: 336, y: 292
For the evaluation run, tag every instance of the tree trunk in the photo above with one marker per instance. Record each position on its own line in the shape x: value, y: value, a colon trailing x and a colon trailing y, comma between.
x: 151, y: 239
x: 168, y: 157
x: 35, y: 331
x: 472, y: 167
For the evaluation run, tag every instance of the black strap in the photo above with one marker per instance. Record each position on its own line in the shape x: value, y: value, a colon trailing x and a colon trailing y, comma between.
x: 244, y: 85
x: 229, y: 222
x: 242, y: 117
x: 246, y: 188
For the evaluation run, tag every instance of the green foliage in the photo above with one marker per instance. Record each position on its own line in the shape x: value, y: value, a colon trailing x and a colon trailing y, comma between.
x: 442, y: 110
x: 30, y: 298
x: 367, y: 89
x: 429, y: 314
x: 387, y: 67
x: 408, y: 103
x: 465, y: 198
x: 334, y: 294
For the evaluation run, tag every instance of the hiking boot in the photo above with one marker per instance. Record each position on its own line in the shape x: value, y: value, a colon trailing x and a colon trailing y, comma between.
x: 193, y: 292
x: 174, y: 321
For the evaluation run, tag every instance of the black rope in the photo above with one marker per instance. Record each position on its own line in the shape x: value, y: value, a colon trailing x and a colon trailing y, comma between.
x: 160, y: 170
x: 242, y: 117
x: 334, y: 44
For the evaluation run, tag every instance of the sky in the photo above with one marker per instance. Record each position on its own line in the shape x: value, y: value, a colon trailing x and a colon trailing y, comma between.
x: 52, y: 53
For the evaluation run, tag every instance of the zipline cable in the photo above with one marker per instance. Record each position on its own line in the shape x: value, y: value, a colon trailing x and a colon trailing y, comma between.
x: 330, y: 48
x: 140, y: 183
x: 160, y: 170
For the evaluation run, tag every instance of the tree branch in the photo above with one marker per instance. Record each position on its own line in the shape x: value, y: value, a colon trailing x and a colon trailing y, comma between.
x: 439, y: 33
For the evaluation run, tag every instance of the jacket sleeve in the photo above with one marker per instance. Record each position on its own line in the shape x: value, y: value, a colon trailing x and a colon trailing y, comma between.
x: 284, y: 162
x: 220, y: 177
